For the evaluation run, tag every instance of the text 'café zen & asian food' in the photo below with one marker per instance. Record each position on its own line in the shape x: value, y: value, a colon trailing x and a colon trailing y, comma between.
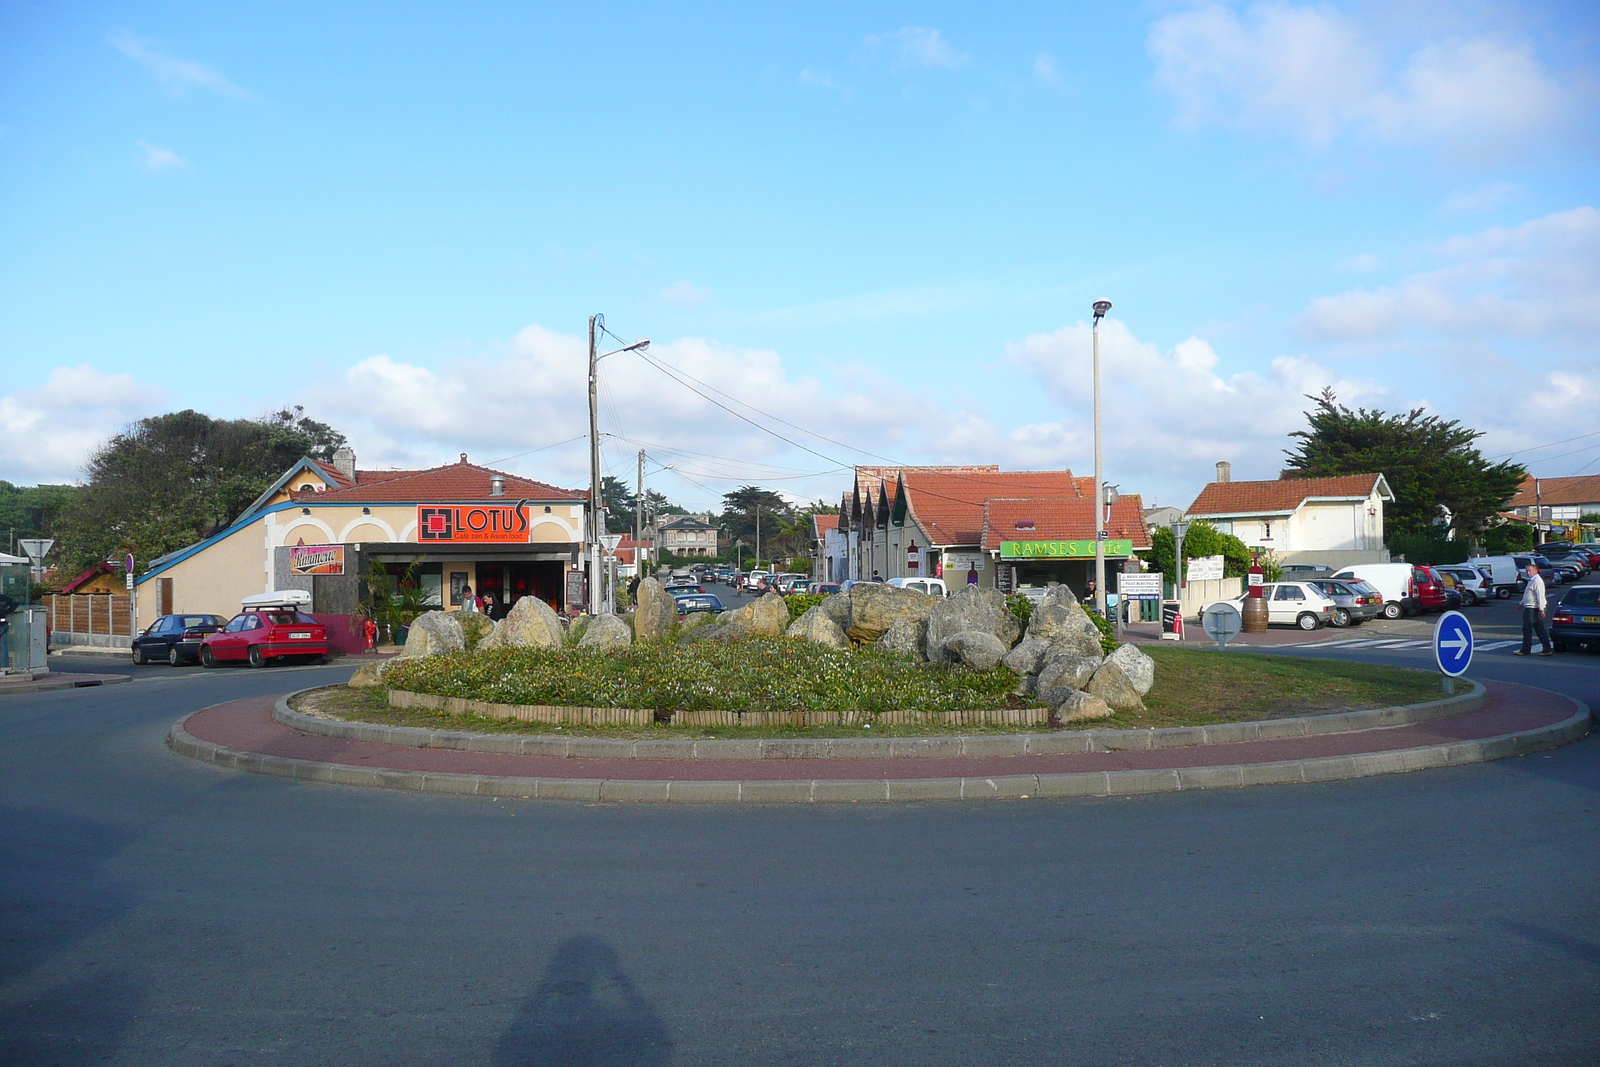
x: 323, y: 525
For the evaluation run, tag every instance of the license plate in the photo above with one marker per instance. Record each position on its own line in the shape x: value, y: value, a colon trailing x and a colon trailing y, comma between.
x: 1591, y: 618
x: 299, y: 634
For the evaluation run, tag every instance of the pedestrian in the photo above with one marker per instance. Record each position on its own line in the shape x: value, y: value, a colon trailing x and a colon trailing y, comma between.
x: 468, y: 601
x: 1533, y: 614
x: 1090, y: 594
x: 877, y: 577
x: 633, y: 590
x: 972, y: 574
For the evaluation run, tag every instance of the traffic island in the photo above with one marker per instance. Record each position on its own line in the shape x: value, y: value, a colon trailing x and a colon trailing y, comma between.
x: 1492, y: 721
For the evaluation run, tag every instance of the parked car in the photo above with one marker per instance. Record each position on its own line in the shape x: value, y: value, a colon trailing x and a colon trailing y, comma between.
x: 693, y: 603
x: 1401, y: 584
x: 1473, y: 582
x: 798, y: 587
x: 1576, y: 619
x: 1553, y: 576
x: 1301, y: 572
x: 271, y: 627
x: 679, y: 587
x: 1569, y: 555
x: 1502, y: 573
x: 175, y: 638
x: 1355, y: 602
x: 931, y: 586
x: 827, y: 588
x: 1299, y: 604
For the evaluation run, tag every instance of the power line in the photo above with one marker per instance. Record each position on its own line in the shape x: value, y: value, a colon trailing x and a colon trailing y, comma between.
x: 541, y: 448
x: 1552, y: 444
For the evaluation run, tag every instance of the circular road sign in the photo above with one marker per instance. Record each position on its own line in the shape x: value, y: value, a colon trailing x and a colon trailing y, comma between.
x: 1452, y: 643
x: 1222, y: 622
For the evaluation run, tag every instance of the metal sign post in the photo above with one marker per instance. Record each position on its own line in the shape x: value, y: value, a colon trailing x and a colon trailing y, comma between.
x: 1452, y: 647
x: 36, y: 548
x: 1222, y: 622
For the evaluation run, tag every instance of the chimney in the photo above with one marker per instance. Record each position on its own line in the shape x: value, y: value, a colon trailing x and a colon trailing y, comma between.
x: 463, y: 457
x: 344, y: 461
x: 497, y: 485
x: 1288, y: 476
x: 1224, y: 471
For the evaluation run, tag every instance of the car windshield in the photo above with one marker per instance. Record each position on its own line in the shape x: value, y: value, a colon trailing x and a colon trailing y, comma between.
x: 288, y: 618
x: 199, y: 620
x: 1583, y: 594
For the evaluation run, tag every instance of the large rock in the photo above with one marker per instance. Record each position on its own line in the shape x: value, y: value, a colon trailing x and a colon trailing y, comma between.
x: 905, y: 637
x: 606, y: 633
x: 370, y: 674
x: 1063, y: 676
x: 1140, y: 668
x: 1076, y: 643
x: 769, y: 615
x: 475, y: 626
x: 1056, y: 615
x: 816, y: 627
x: 874, y: 607
x: 836, y: 606
x: 1113, y: 687
x: 970, y: 610
x: 976, y: 649
x: 656, y: 612
x: 530, y: 624
x: 1081, y: 705
x: 431, y: 633
x: 1027, y: 657
x: 495, y: 638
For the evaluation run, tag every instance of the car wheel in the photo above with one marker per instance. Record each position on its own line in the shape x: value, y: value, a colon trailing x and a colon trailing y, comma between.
x: 173, y: 658
x: 1341, y: 618
x: 1469, y: 599
x: 139, y: 657
x: 256, y: 658
x: 1392, y: 610
x: 206, y: 658
x: 1503, y: 593
x: 1307, y: 621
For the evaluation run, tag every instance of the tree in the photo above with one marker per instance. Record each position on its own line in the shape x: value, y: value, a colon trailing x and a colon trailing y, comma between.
x: 170, y: 480
x: 618, y: 499
x: 1202, y: 539
x: 31, y: 511
x: 1427, y: 461
x: 739, y: 510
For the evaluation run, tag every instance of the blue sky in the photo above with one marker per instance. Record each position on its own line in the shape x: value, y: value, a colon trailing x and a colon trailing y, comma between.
x: 883, y: 224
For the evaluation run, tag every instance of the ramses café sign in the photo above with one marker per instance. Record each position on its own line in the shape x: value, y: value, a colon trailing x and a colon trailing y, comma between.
x: 475, y: 523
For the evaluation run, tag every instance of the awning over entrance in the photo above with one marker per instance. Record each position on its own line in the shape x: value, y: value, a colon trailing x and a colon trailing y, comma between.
x: 406, y: 551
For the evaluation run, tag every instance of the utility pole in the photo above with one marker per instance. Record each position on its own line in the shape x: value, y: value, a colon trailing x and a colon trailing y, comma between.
x: 758, y: 535
x: 597, y: 509
x: 638, y: 520
x: 1100, y: 308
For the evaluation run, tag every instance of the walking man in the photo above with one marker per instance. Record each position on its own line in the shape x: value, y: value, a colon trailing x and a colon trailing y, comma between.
x: 1533, y: 614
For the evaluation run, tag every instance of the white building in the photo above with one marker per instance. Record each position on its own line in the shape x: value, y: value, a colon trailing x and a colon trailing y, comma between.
x: 1331, y: 521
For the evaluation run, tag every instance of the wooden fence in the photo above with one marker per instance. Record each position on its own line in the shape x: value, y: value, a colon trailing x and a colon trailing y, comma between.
x: 89, y: 613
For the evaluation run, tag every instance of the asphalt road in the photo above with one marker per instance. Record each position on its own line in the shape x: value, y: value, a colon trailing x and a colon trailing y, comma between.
x: 162, y: 911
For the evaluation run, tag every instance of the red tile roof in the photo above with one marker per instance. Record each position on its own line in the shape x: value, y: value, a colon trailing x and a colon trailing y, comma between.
x: 947, y: 502
x: 824, y: 523
x: 1061, y: 519
x: 453, y: 483
x: 1558, y: 492
x: 1281, y: 496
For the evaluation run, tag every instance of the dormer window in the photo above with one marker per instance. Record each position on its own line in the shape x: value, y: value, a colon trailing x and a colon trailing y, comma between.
x: 1025, y: 524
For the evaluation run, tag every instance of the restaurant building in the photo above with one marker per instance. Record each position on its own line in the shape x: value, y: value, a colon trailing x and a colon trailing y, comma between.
x: 322, y: 527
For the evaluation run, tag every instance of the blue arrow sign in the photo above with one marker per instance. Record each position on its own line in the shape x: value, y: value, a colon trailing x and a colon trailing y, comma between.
x: 1452, y: 643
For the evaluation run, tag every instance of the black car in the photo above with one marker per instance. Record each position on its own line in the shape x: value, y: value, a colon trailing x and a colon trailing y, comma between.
x: 693, y: 603
x: 175, y: 638
x: 1576, y: 620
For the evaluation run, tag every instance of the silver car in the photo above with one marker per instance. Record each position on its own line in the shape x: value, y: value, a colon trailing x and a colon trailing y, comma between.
x: 1472, y: 582
x: 1354, y: 602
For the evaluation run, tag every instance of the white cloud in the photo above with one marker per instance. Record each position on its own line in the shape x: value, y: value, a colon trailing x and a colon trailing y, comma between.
x: 1362, y: 264
x: 918, y: 48
x: 684, y: 295
x: 1534, y: 282
x: 1167, y: 416
x: 1318, y: 74
x: 822, y: 80
x: 1045, y: 69
x: 1478, y: 201
x: 157, y: 158
x: 47, y: 433
x: 177, y: 76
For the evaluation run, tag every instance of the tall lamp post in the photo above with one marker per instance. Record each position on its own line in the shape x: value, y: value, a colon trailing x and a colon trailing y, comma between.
x: 1100, y: 308
x: 597, y: 505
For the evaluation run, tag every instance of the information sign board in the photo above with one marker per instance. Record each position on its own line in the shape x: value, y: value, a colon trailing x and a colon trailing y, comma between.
x: 1452, y: 643
x: 316, y: 559
x: 1203, y: 569
x: 1140, y: 586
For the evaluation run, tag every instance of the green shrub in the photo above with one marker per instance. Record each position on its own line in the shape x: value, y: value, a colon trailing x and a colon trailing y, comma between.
x: 1108, y: 632
x: 800, y: 603
x: 1021, y: 607
x: 756, y: 674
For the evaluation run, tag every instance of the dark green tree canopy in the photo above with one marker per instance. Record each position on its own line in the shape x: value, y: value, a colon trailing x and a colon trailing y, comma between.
x: 1202, y: 539
x: 168, y: 481
x: 31, y: 511
x: 739, y: 513
x: 1427, y: 461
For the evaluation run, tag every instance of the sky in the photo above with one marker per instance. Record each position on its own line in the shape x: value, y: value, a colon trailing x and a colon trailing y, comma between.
x: 861, y: 233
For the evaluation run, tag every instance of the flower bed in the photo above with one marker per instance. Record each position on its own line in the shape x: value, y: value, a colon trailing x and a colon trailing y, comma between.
x: 759, y: 674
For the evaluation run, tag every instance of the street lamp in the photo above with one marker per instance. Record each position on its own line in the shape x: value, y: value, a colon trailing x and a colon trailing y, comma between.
x: 597, y: 506
x: 1100, y: 308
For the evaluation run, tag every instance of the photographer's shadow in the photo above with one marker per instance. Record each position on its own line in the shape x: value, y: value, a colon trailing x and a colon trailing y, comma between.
x: 586, y: 1011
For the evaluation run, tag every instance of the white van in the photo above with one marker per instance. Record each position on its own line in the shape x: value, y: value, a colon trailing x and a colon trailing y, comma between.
x: 931, y: 586
x: 1393, y: 580
x: 1502, y: 572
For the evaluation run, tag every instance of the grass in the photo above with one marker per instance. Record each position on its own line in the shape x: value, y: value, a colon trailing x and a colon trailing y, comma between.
x: 1194, y: 687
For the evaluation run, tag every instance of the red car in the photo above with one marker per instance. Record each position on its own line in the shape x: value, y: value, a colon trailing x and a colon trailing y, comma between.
x: 263, y: 634
x: 1428, y: 589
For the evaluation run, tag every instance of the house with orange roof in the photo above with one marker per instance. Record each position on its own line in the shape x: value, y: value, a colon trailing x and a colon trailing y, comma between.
x: 1333, y: 522
x: 1011, y: 529
x: 1557, y: 501
x: 322, y: 527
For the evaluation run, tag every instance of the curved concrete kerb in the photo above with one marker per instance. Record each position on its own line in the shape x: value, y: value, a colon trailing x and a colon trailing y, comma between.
x: 1067, y: 742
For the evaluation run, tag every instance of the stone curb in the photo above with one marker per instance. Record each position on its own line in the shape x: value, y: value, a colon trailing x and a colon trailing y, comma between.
x: 1066, y: 743
x: 824, y: 791
x: 63, y: 681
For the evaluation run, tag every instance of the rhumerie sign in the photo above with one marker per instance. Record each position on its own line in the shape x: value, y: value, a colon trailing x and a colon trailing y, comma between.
x: 469, y: 524
x: 1061, y: 549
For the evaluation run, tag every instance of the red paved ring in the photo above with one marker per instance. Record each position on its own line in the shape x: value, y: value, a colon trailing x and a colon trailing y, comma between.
x: 1515, y: 720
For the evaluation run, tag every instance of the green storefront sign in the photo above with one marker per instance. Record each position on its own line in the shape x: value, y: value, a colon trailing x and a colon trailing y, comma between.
x: 1061, y: 549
